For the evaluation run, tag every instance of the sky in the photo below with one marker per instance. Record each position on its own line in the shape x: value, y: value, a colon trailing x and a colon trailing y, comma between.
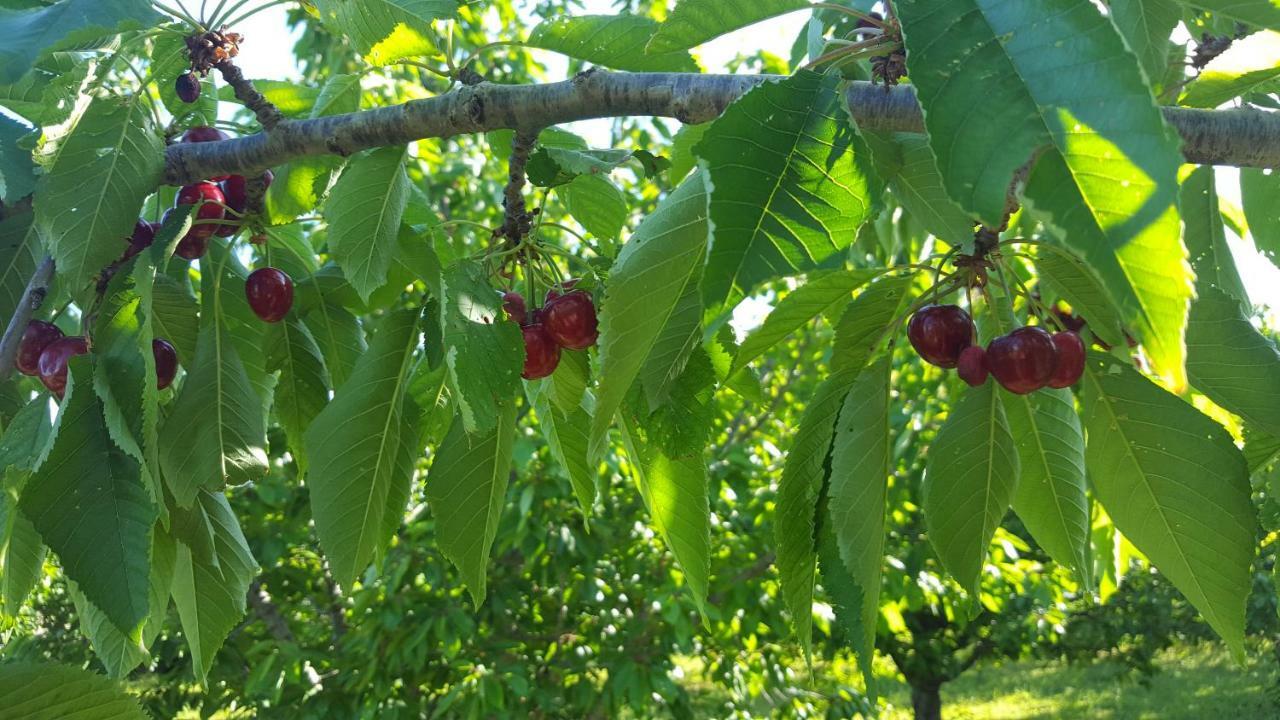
x: 274, y: 59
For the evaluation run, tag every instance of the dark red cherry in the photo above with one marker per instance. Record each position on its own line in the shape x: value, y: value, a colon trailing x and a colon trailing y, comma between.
x: 270, y: 293
x: 187, y: 87
x: 513, y: 303
x: 38, y: 335
x: 1023, y: 360
x: 235, y: 189
x: 144, y: 233
x: 166, y: 362
x: 555, y: 292
x: 971, y: 366
x: 53, y: 362
x: 204, y: 133
x: 571, y: 320
x: 940, y: 332
x: 541, y: 353
x: 208, y: 196
x: 1070, y: 360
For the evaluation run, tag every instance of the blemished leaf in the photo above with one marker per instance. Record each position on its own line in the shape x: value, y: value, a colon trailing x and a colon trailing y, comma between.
x: 613, y: 41
x: 45, y: 691
x: 1248, y: 63
x: 1260, y: 196
x: 386, y: 31
x: 99, y: 166
x: 868, y: 320
x: 821, y: 293
x: 1146, y: 25
x: 31, y: 33
x: 791, y: 182
x: 90, y: 505
x: 210, y: 593
x: 861, y: 463
x: 483, y: 349
x: 798, y: 493
x: 19, y: 254
x: 17, y: 170
x: 1205, y: 236
x: 1177, y: 487
x: 647, y: 296
x: 361, y: 449
x: 1104, y: 154
x: 693, y: 22
x: 303, y: 389
x: 466, y: 488
x: 597, y: 204
x: 1073, y: 280
x: 906, y: 163
x: 364, y: 212
x: 970, y: 478
x: 1232, y: 363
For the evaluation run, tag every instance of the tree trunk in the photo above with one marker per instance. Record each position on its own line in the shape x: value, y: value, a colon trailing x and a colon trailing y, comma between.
x: 926, y: 702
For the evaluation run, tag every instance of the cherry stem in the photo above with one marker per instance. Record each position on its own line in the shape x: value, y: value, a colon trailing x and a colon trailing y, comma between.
x: 236, y: 21
x: 178, y: 14
x: 421, y: 65
x: 866, y: 46
x: 870, y: 19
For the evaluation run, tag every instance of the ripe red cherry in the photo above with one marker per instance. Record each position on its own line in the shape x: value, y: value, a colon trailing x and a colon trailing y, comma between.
x: 204, y: 133
x: 541, y: 353
x: 144, y: 233
x: 270, y: 293
x: 513, y: 303
x: 939, y: 333
x: 235, y: 189
x: 53, y: 362
x: 187, y: 87
x: 571, y: 321
x: 166, y: 362
x: 208, y: 196
x: 555, y: 292
x: 1070, y: 360
x: 38, y: 336
x: 971, y: 366
x: 1023, y: 360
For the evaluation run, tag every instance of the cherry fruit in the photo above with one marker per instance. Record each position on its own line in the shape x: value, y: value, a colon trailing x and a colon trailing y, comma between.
x: 53, y: 362
x: 166, y: 362
x: 38, y: 336
x: 940, y: 332
x: 144, y: 233
x: 513, y: 303
x: 208, y: 196
x: 187, y: 87
x: 541, y: 353
x: 1070, y: 360
x: 235, y: 189
x: 1023, y: 360
x: 971, y: 366
x: 270, y: 293
x: 555, y: 292
x: 571, y: 320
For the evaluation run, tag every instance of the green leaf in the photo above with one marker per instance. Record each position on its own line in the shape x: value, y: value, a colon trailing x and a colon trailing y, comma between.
x: 19, y: 254
x: 1264, y: 13
x: 1248, y: 63
x: 907, y: 164
x: 303, y: 390
x: 1146, y: 26
x: 566, y: 431
x: 362, y: 449
x: 340, y: 337
x: 47, y: 93
x: 1231, y: 362
x: 1260, y: 196
x: 299, y: 186
x: 340, y: 94
x: 386, y: 31
x: 290, y: 98
x: 17, y: 171
x: 970, y: 477
x: 210, y: 592
x: 1205, y: 236
x: 47, y: 691
x: 1074, y: 281
x: 21, y: 554
x: 553, y: 166
x: 466, y: 489
x: 90, y: 505
x: 174, y: 316
x: 364, y: 212
x: 99, y: 166
x: 1106, y: 177
x: 568, y: 383
x: 118, y: 653
x: 1177, y: 487
x: 26, y: 439
x: 31, y: 33
x: 614, y: 41
x: 693, y: 22
x: 869, y: 320
x: 597, y: 204
x: 822, y: 293
x: 861, y: 463
x: 650, y: 296
x: 483, y: 349
x: 791, y: 184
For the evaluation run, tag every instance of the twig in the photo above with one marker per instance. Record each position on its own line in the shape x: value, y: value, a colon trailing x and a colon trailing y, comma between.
x: 31, y: 300
x: 517, y: 220
x: 268, y: 114
x: 269, y: 613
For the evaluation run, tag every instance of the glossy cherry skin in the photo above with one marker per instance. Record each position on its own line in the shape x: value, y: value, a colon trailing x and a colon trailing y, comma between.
x: 144, y: 233
x: 555, y: 292
x: 1070, y: 360
x: 940, y: 332
x: 513, y: 303
x: 235, y: 189
x: 971, y: 366
x: 541, y: 353
x: 1023, y: 360
x: 53, y: 362
x: 38, y: 336
x: 166, y: 362
x: 204, y: 133
x: 187, y: 87
x: 571, y: 321
x: 270, y: 293
x: 207, y: 195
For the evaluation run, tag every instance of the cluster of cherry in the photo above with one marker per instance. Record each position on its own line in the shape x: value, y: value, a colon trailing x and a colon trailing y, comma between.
x: 567, y: 319
x: 1025, y: 360
x: 44, y: 351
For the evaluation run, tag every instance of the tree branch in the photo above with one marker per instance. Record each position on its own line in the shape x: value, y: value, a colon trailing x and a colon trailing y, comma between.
x: 1245, y: 138
x: 31, y: 300
x: 268, y: 613
x: 268, y: 114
